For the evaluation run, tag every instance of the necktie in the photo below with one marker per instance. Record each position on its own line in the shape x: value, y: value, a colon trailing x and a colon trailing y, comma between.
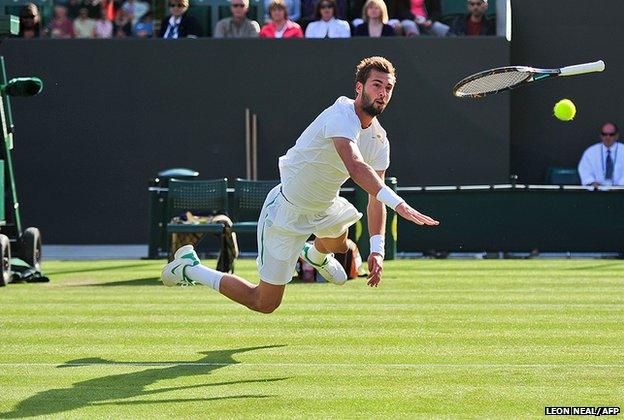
x: 173, y: 30
x: 609, y: 166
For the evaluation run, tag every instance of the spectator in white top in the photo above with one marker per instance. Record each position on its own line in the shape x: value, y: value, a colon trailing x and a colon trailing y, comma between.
x: 603, y: 163
x: 326, y: 25
x: 84, y: 26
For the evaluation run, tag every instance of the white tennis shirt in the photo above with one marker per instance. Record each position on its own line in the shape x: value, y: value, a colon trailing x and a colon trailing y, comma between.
x: 312, y: 172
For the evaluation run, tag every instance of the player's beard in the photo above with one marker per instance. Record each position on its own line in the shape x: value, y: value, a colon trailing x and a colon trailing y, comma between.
x: 368, y: 106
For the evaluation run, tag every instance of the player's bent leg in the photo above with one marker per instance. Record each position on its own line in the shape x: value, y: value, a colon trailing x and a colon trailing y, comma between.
x: 320, y: 257
x: 263, y: 297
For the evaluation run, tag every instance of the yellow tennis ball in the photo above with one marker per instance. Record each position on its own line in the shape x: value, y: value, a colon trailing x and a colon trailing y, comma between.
x: 565, y: 110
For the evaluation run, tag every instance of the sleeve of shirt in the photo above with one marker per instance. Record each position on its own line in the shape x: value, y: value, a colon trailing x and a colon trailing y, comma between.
x: 381, y: 162
x: 585, y: 169
x: 340, y: 126
x: 219, y: 29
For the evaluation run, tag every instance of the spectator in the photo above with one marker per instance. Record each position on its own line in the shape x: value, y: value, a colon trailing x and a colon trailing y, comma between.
x: 29, y: 21
x: 103, y: 26
x: 415, y: 17
x: 61, y: 26
x: 308, y: 11
x: 122, y: 25
x: 180, y: 24
x: 145, y: 27
x: 375, y: 16
x: 474, y: 23
x: 326, y: 25
x: 280, y: 26
x: 135, y: 9
x: 237, y: 26
x: 603, y: 163
x: 84, y: 26
x: 293, y: 7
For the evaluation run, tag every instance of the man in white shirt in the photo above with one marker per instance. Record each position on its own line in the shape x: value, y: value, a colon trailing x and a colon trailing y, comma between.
x: 344, y: 141
x: 603, y: 163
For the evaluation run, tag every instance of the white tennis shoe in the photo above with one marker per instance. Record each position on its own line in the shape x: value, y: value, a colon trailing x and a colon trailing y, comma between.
x: 330, y: 269
x: 175, y: 272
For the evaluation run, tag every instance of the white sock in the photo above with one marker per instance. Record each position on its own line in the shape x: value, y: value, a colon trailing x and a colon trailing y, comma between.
x: 316, y: 256
x: 206, y: 276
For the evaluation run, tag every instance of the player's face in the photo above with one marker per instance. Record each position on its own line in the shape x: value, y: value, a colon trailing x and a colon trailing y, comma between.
x: 376, y: 92
x: 609, y: 134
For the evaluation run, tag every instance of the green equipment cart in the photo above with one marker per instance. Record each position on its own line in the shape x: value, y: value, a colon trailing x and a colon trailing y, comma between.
x: 20, y: 248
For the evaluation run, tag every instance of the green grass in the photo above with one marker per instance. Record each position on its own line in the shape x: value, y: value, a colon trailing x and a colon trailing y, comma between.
x: 437, y: 338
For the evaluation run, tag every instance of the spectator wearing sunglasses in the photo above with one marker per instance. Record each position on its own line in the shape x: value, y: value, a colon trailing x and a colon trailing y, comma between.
x: 280, y: 26
x: 603, y: 163
x: 29, y: 21
x: 474, y: 23
x: 326, y: 25
x: 179, y: 24
x: 237, y: 26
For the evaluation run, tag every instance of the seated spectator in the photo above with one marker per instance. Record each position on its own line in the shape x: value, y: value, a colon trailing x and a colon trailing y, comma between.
x: 292, y: 6
x: 61, y: 26
x: 280, y: 26
x: 180, y: 24
x: 145, y: 27
x: 474, y: 23
x: 237, y: 26
x: 103, y: 26
x: 135, y: 9
x: 84, y: 26
x: 326, y: 25
x: 603, y: 163
x: 308, y: 11
x: 29, y: 21
x: 122, y: 25
x: 417, y: 17
x: 375, y: 16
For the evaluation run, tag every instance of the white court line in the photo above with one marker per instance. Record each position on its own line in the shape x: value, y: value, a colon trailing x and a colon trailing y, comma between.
x: 321, y: 365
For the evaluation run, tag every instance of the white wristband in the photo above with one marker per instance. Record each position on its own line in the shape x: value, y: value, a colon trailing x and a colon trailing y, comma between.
x: 387, y: 196
x: 377, y: 244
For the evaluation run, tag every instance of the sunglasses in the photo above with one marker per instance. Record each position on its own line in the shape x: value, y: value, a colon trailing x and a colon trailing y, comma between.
x: 327, y: 6
x: 608, y: 134
x: 28, y: 16
x: 175, y: 5
x: 237, y: 5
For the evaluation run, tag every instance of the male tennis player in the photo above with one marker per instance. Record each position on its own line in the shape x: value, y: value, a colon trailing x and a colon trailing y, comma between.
x: 345, y: 140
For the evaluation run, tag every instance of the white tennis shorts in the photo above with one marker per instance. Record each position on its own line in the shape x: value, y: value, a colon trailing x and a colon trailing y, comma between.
x: 283, y: 229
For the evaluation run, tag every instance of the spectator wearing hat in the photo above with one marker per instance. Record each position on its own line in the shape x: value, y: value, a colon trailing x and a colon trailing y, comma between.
x: 326, y: 25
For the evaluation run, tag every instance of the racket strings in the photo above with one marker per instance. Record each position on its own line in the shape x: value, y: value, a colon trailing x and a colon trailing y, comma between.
x: 493, y: 82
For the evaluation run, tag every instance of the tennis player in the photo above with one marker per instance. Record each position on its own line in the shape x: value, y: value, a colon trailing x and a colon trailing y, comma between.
x: 345, y: 140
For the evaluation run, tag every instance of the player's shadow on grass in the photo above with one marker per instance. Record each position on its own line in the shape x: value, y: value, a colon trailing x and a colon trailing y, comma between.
x: 145, y: 281
x: 99, y: 269
x: 100, y: 391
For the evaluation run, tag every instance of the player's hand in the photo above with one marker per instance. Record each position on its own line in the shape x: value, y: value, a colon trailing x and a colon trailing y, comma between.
x: 407, y: 212
x: 375, y: 268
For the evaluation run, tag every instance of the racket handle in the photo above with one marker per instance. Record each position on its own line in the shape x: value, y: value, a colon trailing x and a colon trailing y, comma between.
x: 583, y: 68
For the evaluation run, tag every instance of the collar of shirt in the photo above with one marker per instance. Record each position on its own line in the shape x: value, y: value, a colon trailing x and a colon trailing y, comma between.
x: 174, y: 21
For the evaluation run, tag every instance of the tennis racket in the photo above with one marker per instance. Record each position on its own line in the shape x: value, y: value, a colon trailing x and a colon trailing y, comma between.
x: 492, y: 81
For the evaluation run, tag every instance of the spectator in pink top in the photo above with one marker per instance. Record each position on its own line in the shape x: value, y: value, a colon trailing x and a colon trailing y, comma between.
x: 61, y: 26
x: 417, y: 17
x: 280, y: 26
x: 103, y: 26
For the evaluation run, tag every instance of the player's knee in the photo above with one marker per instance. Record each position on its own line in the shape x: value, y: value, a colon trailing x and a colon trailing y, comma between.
x: 266, y: 307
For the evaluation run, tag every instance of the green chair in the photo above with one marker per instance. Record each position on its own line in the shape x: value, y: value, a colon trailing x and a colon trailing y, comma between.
x: 203, y: 15
x: 249, y: 198
x: 198, y: 197
x: 562, y: 176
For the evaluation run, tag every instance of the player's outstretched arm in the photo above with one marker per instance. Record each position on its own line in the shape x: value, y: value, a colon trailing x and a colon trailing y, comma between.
x: 364, y: 175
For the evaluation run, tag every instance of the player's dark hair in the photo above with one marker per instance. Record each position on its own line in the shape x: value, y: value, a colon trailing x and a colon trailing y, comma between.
x: 363, y: 70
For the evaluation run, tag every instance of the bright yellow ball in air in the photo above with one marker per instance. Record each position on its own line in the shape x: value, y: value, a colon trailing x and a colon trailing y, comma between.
x: 565, y: 110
